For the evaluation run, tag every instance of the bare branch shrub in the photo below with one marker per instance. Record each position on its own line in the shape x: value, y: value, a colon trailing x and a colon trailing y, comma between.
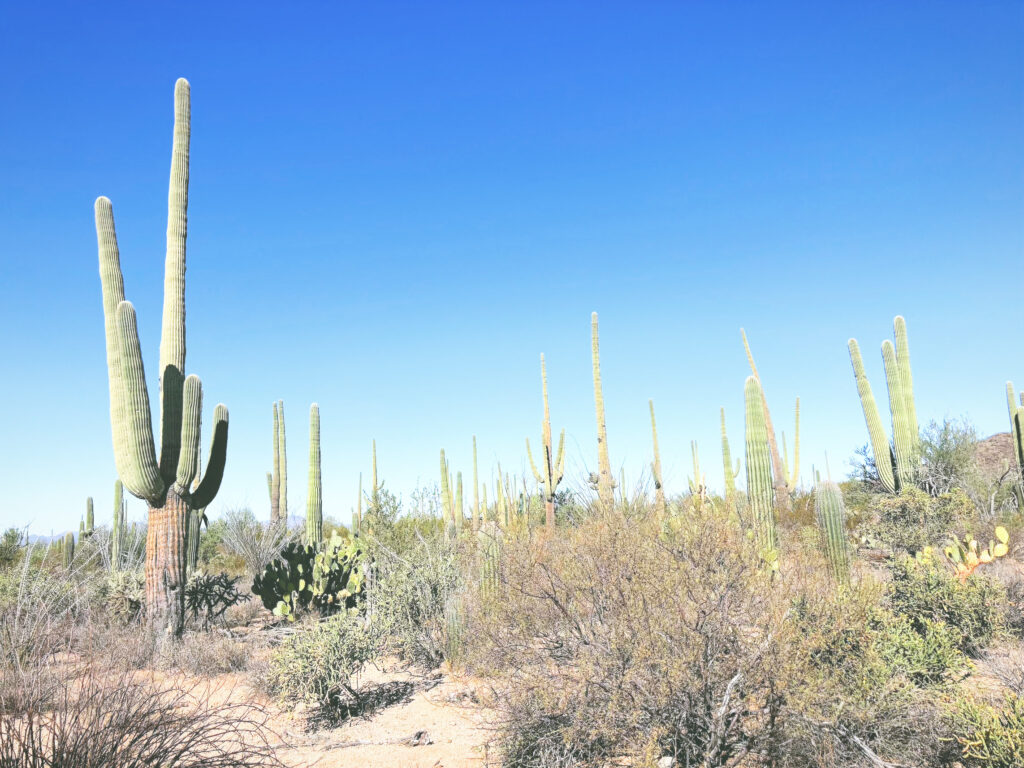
x: 255, y: 542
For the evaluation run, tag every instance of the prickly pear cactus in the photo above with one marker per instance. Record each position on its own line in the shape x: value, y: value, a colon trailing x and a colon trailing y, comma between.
x: 327, y: 578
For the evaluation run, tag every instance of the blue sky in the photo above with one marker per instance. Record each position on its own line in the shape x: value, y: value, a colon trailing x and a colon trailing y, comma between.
x: 395, y: 207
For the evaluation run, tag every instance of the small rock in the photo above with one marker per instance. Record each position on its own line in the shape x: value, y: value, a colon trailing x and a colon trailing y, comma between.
x: 666, y: 762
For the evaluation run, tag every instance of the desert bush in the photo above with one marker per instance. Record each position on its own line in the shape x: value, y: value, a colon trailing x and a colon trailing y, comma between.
x: 948, y: 457
x: 989, y: 736
x: 208, y: 596
x: 924, y: 591
x: 208, y: 654
x: 411, y: 596
x: 103, y: 719
x: 319, y: 663
x: 913, y: 520
x: 11, y: 543
x: 256, y: 543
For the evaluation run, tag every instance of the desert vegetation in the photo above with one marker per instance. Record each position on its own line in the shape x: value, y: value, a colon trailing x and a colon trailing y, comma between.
x: 873, y: 620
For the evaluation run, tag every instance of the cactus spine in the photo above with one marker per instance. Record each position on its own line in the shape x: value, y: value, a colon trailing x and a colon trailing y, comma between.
x: 730, y: 473
x: 831, y: 515
x: 164, y: 484
x: 895, y: 461
x: 659, y: 487
x: 552, y: 467
x: 605, y: 483
x: 759, y: 470
x: 314, y: 496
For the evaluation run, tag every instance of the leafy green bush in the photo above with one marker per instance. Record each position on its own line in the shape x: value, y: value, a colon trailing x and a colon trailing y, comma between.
x: 989, y: 737
x: 327, y: 577
x: 317, y: 664
x: 10, y: 547
x: 924, y: 591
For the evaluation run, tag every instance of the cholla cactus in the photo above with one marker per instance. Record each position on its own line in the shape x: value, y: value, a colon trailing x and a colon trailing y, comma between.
x: 759, y: 472
x: 552, y: 467
x: 164, y: 484
x: 896, y: 461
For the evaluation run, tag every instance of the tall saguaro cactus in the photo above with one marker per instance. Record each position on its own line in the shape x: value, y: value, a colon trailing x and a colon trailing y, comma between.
x: 117, y: 531
x: 605, y: 483
x: 552, y: 467
x: 659, y: 486
x: 831, y: 515
x: 314, y: 496
x: 164, y: 484
x: 90, y: 517
x: 1017, y: 435
x: 895, y: 461
x: 780, y: 482
x: 277, y: 480
x: 730, y: 473
x: 759, y: 469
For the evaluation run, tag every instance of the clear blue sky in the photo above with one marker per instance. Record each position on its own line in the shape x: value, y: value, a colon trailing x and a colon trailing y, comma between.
x: 395, y: 207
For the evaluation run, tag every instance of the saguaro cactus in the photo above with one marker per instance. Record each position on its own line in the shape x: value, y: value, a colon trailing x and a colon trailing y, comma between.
x: 117, y: 530
x: 164, y: 484
x: 896, y: 462
x: 90, y: 517
x: 605, y: 483
x: 730, y: 473
x: 698, y: 486
x: 1017, y: 435
x: 277, y: 480
x: 759, y: 470
x: 831, y: 515
x: 314, y: 496
x: 476, y: 490
x: 780, y: 481
x: 552, y: 467
x: 69, y: 549
x: 659, y: 487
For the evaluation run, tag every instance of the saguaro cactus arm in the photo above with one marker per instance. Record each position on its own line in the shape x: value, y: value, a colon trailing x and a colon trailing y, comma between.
x: 210, y: 484
x: 282, y: 492
x: 140, y: 473
x: 903, y: 361
x: 730, y: 474
x: 172, y: 337
x: 191, y: 424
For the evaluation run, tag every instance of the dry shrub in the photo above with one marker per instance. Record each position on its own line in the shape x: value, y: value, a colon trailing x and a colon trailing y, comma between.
x: 103, y: 719
x: 624, y: 642
x: 208, y: 654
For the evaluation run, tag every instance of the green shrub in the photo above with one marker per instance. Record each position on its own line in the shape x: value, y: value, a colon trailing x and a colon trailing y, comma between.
x: 317, y: 664
x: 914, y: 520
x: 924, y: 591
x: 989, y: 737
x: 10, y: 547
x: 412, y: 596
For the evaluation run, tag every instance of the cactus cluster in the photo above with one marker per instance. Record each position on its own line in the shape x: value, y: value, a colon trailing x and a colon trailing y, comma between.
x: 896, y: 461
x: 830, y: 512
x: 552, y: 467
x: 166, y: 483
